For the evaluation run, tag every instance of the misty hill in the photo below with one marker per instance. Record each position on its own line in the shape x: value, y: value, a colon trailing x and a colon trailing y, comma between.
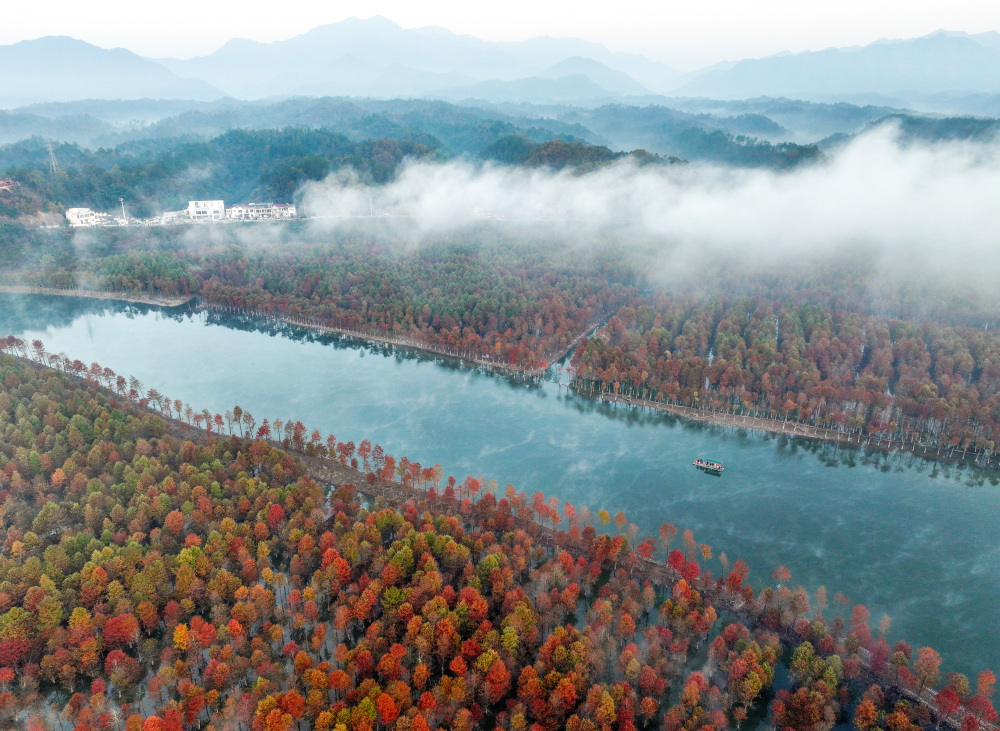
x: 376, y: 57
x: 456, y: 130
x: 909, y: 129
x: 939, y: 63
x: 78, y: 128
x: 536, y: 89
x: 557, y: 155
x: 576, y: 80
x: 944, y: 130
x: 669, y: 132
x: 912, y: 128
x: 604, y: 76
x: 58, y: 68
x: 977, y: 104
x: 461, y: 127
x: 124, y: 110
x: 544, y: 53
x: 800, y: 121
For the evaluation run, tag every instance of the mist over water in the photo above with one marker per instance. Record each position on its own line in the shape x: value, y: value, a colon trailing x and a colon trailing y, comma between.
x: 925, y: 207
x: 909, y: 538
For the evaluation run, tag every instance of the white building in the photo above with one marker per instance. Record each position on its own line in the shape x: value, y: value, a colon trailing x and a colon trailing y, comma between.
x: 260, y: 211
x: 206, y: 210
x: 83, y: 217
x: 249, y: 211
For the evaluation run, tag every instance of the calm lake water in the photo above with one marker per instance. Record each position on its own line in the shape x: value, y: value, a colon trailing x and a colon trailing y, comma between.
x: 905, y: 537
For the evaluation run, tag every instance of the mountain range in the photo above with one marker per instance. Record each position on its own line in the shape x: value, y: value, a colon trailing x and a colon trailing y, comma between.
x: 941, y: 63
x: 377, y: 58
x: 59, y: 68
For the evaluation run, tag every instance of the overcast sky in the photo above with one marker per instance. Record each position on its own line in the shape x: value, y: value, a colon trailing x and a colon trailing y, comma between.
x: 683, y: 33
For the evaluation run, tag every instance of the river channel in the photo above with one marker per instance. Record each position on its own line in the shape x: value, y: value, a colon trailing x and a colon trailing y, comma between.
x: 906, y: 537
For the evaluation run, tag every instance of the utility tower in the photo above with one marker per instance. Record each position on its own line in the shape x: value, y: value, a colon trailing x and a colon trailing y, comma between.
x: 53, y: 163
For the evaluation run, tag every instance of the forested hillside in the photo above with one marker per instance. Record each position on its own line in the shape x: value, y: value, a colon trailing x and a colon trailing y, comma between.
x: 243, y: 152
x: 165, y: 175
x: 153, y: 176
x: 104, y: 123
x: 678, y: 128
x: 740, y: 141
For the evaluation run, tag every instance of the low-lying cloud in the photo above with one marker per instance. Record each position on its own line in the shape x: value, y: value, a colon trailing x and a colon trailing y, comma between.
x: 917, y: 205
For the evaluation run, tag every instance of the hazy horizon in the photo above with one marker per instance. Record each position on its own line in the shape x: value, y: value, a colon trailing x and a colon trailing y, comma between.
x: 686, y: 38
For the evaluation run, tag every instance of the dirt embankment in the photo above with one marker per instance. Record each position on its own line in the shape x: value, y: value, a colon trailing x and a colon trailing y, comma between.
x: 143, y: 299
x: 806, y: 431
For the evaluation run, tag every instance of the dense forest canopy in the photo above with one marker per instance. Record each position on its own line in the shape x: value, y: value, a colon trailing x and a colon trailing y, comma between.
x: 157, y: 576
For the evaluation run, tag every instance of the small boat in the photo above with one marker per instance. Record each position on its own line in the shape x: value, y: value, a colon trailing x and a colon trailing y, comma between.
x: 710, y: 465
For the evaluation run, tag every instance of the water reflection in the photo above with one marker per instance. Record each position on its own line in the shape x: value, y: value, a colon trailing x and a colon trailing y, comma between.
x: 401, y: 353
x: 37, y: 312
x: 894, y: 531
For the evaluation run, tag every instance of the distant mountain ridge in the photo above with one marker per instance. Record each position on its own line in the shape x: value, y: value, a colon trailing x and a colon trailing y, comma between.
x: 534, y: 89
x: 59, y: 68
x: 376, y: 57
x: 946, y: 71
x: 940, y: 63
x: 604, y: 76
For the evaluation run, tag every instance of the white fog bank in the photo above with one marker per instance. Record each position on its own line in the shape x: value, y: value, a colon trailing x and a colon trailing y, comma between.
x: 929, y: 205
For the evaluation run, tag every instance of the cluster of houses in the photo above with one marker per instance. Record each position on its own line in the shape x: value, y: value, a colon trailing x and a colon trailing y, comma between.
x: 196, y: 212
x: 84, y: 217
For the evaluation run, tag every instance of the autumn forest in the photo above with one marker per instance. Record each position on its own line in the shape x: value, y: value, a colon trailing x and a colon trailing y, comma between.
x: 163, y: 567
